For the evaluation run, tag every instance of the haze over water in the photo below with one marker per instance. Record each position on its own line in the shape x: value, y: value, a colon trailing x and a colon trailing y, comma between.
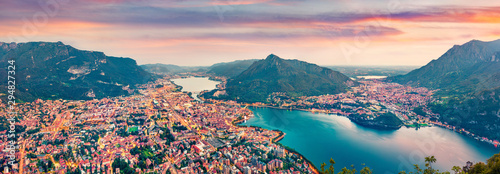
x: 195, y: 85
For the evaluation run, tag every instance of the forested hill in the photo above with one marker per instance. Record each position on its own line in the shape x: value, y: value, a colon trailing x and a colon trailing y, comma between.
x: 292, y: 77
x: 467, y: 78
x: 471, y: 67
x: 53, y: 70
x: 230, y: 69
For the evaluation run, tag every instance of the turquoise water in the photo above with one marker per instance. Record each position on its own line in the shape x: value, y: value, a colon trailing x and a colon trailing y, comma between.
x: 320, y: 137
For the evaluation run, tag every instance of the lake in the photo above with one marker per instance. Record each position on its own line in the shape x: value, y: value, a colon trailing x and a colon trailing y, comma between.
x: 371, y: 77
x: 320, y: 137
x: 195, y: 85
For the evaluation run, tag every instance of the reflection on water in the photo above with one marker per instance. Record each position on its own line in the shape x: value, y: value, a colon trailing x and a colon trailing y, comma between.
x: 195, y: 85
x: 371, y: 77
x: 320, y: 137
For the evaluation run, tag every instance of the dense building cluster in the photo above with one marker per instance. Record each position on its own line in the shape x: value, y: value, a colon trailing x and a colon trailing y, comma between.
x: 159, y: 130
x: 370, y: 99
x: 374, y: 98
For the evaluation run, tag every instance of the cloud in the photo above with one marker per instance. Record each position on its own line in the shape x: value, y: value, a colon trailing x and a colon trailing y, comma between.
x: 238, y: 2
x: 450, y: 14
x: 179, y: 26
x: 213, y: 13
x: 327, y: 33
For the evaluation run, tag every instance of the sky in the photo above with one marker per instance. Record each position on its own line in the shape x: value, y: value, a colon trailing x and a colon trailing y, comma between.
x: 204, y: 32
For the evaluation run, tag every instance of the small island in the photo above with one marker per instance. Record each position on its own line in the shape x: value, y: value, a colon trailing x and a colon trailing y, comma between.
x: 387, y: 121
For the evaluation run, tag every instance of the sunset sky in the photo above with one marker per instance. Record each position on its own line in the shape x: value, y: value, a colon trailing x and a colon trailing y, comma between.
x: 203, y: 32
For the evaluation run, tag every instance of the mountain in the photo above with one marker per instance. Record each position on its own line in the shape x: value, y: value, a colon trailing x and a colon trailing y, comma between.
x: 293, y: 77
x: 171, y: 69
x: 227, y: 69
x: 355, y: 71
x: 471, y: 67
x: 53, y: 70
x: 230, y: 69
x: 467, y: 78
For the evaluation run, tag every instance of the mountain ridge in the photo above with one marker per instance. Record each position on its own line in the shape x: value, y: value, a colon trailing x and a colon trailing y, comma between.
x: 230, y: 69
x: 293, y: 77
x: 53, y: 70
x: 467, y: 80
x: 471, y: 63
x: 170, y: 69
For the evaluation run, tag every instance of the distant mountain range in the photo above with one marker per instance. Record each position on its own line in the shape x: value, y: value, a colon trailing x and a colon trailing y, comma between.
x: 230, y: 69
x: 468, y: 81
x: 292, y: 77
x: 53, y: 70
x: 355, y: 71
x: 170, y: 69
x: 225, y: 69
x: 471, y: 67
x: 234, y: 68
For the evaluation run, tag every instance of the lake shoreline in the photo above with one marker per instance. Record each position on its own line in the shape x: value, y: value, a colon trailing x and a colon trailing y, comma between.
x: 306, y: 132
x: 292, y: 139
x: 361, y: 123
x: 275, y: 140
x: 371, y: 126
x: 237, y: 122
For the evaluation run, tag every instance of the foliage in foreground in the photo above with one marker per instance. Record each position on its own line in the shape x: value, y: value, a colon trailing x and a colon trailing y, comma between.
x: 492, y: 166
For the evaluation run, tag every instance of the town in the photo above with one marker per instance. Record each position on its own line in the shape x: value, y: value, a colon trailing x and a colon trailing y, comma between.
x: 159, y: 130
x: 372, y: 99
x: 163, y: 130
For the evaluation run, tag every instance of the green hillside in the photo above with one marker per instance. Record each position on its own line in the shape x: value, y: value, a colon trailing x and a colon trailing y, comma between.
x: 293, y: 77
x: 230, y: 69
x: 52, y: 70
x: 467, y: 78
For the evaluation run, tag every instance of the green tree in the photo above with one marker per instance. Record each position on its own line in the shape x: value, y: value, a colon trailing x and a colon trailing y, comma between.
x: 330, y: 170
x: 491, y: 167
x: 494, y: 164
x: 428, y: 163
x: 456, y: 169
x: 366, y: 170
x: 429, y: 160
x: 478, y: 168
